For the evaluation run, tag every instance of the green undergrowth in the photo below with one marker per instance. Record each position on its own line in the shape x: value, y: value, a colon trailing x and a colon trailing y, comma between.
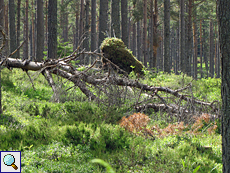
x: 67, y: 136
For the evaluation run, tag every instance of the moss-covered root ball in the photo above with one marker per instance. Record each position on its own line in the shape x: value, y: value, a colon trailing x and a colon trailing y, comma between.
x: 115, y: 50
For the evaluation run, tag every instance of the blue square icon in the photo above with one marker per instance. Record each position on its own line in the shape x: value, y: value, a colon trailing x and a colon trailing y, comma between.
x: 10, y: 161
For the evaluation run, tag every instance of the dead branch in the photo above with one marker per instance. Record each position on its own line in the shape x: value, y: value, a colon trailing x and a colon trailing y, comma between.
x: 50, y: 80
x: 85, y: 81
x: 17, y: 49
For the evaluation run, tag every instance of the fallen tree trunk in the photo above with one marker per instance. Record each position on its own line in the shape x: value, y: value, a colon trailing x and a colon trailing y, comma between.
x: 102, y: 81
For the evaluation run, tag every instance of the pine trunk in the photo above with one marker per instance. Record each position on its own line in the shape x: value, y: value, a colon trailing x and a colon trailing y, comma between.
x: 201, y: 51
x: 33, y: 31
x: 76, y: 32
x: 138, y: 41
x: 25, y: 32
x: 103, y: 19
x: 2, y: 25
x: 52, y: 29
x: 167, y: 36
x: 182, y: 37
x: 223, y: 7
x: 115, y: 18
x: 18, y: 26
x: 13, y: 41
x: 124, y: 21
x: 189, y: 39
x: 195, y: 46
x: 93, y: 28
x: 87, y: 26
x: 40, y: 31
x: 145, y: 33
x: 211, y: 50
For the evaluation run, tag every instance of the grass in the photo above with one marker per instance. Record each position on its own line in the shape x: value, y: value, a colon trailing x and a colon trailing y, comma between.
x: 67, y: 136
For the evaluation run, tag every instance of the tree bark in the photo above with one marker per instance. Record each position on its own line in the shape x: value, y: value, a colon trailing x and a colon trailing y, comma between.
x: 93, y: 28
x: 145, y: 33
x: 18, y: 26
x: 195, y: 45
x: 103, y: 19
x: 167, y: 36
x: 223, y: 7
x: 32, y: 53
x: 25, y: 32
x: 182, y: 37
x: 189, y: 39
x: 87, y: 26
x: 115, y: 18
x: 124, y: 22
x: 201, y: 51
x: 1, y: 42
x: 13, y: 41
x: 138, y: 41
x: 52, y: 29
x: 76, y: 32
x: 211, y: 50
x: 155, y: 35
x: 6, y: 29
x: 40, y: 31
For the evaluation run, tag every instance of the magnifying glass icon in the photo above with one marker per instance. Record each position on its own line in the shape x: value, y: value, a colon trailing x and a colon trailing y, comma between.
x: 9, y: 160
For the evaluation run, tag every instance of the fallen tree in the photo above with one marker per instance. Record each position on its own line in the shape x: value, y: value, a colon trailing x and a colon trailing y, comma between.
x: 146, y: 96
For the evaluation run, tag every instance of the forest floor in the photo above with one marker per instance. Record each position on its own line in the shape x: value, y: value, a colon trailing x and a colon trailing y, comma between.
x: 67, y: 136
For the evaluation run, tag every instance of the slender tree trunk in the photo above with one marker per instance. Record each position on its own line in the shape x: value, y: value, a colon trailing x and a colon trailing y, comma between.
x: 103, y: 19
x: 115, y: 18
x: 223, y: 7
x: 40, y: 31
x: 65, y: 23
x: 81, y: 19
x: 167, y: 36
x: 25, y: 32
x: 201, y: 51
x: 218, y: 57
x: 195, y: 45
x: 6, y: 29
x: 189, y: 39
x: 46, y: 25
x: 134, y: 39
x: 52, y: 29
x: 87, y: 26
x: 62, y: 10
x: 182, y: 37
x: 138, y: 41
x: 1, y: 36
x: 18, y: 26
x: 151, y: 57
x: 145, y: 33
x: 93, y: 28
x: 13, y: 41
x: 124, y: 21
x: 156, y: 37
x: 77, y: 26
x: 215, y: 59
x: 211, y: 50
x: 33, y: 30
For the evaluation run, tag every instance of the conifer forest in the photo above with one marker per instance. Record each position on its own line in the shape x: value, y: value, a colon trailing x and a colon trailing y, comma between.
x: 115, y: 85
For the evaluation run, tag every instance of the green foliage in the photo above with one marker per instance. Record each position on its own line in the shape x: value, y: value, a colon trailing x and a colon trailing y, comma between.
x: 65, y: 137
x: 105, y: 164
x: 64, y: 49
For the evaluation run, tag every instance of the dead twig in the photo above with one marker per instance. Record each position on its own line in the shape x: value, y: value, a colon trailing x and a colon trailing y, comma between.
x: 16, y: 49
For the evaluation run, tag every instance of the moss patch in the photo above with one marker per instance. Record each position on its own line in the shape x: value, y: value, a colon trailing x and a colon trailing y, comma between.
x: 115, y: 50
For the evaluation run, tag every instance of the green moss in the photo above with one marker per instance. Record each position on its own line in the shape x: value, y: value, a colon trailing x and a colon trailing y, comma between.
x: 115, y: 50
